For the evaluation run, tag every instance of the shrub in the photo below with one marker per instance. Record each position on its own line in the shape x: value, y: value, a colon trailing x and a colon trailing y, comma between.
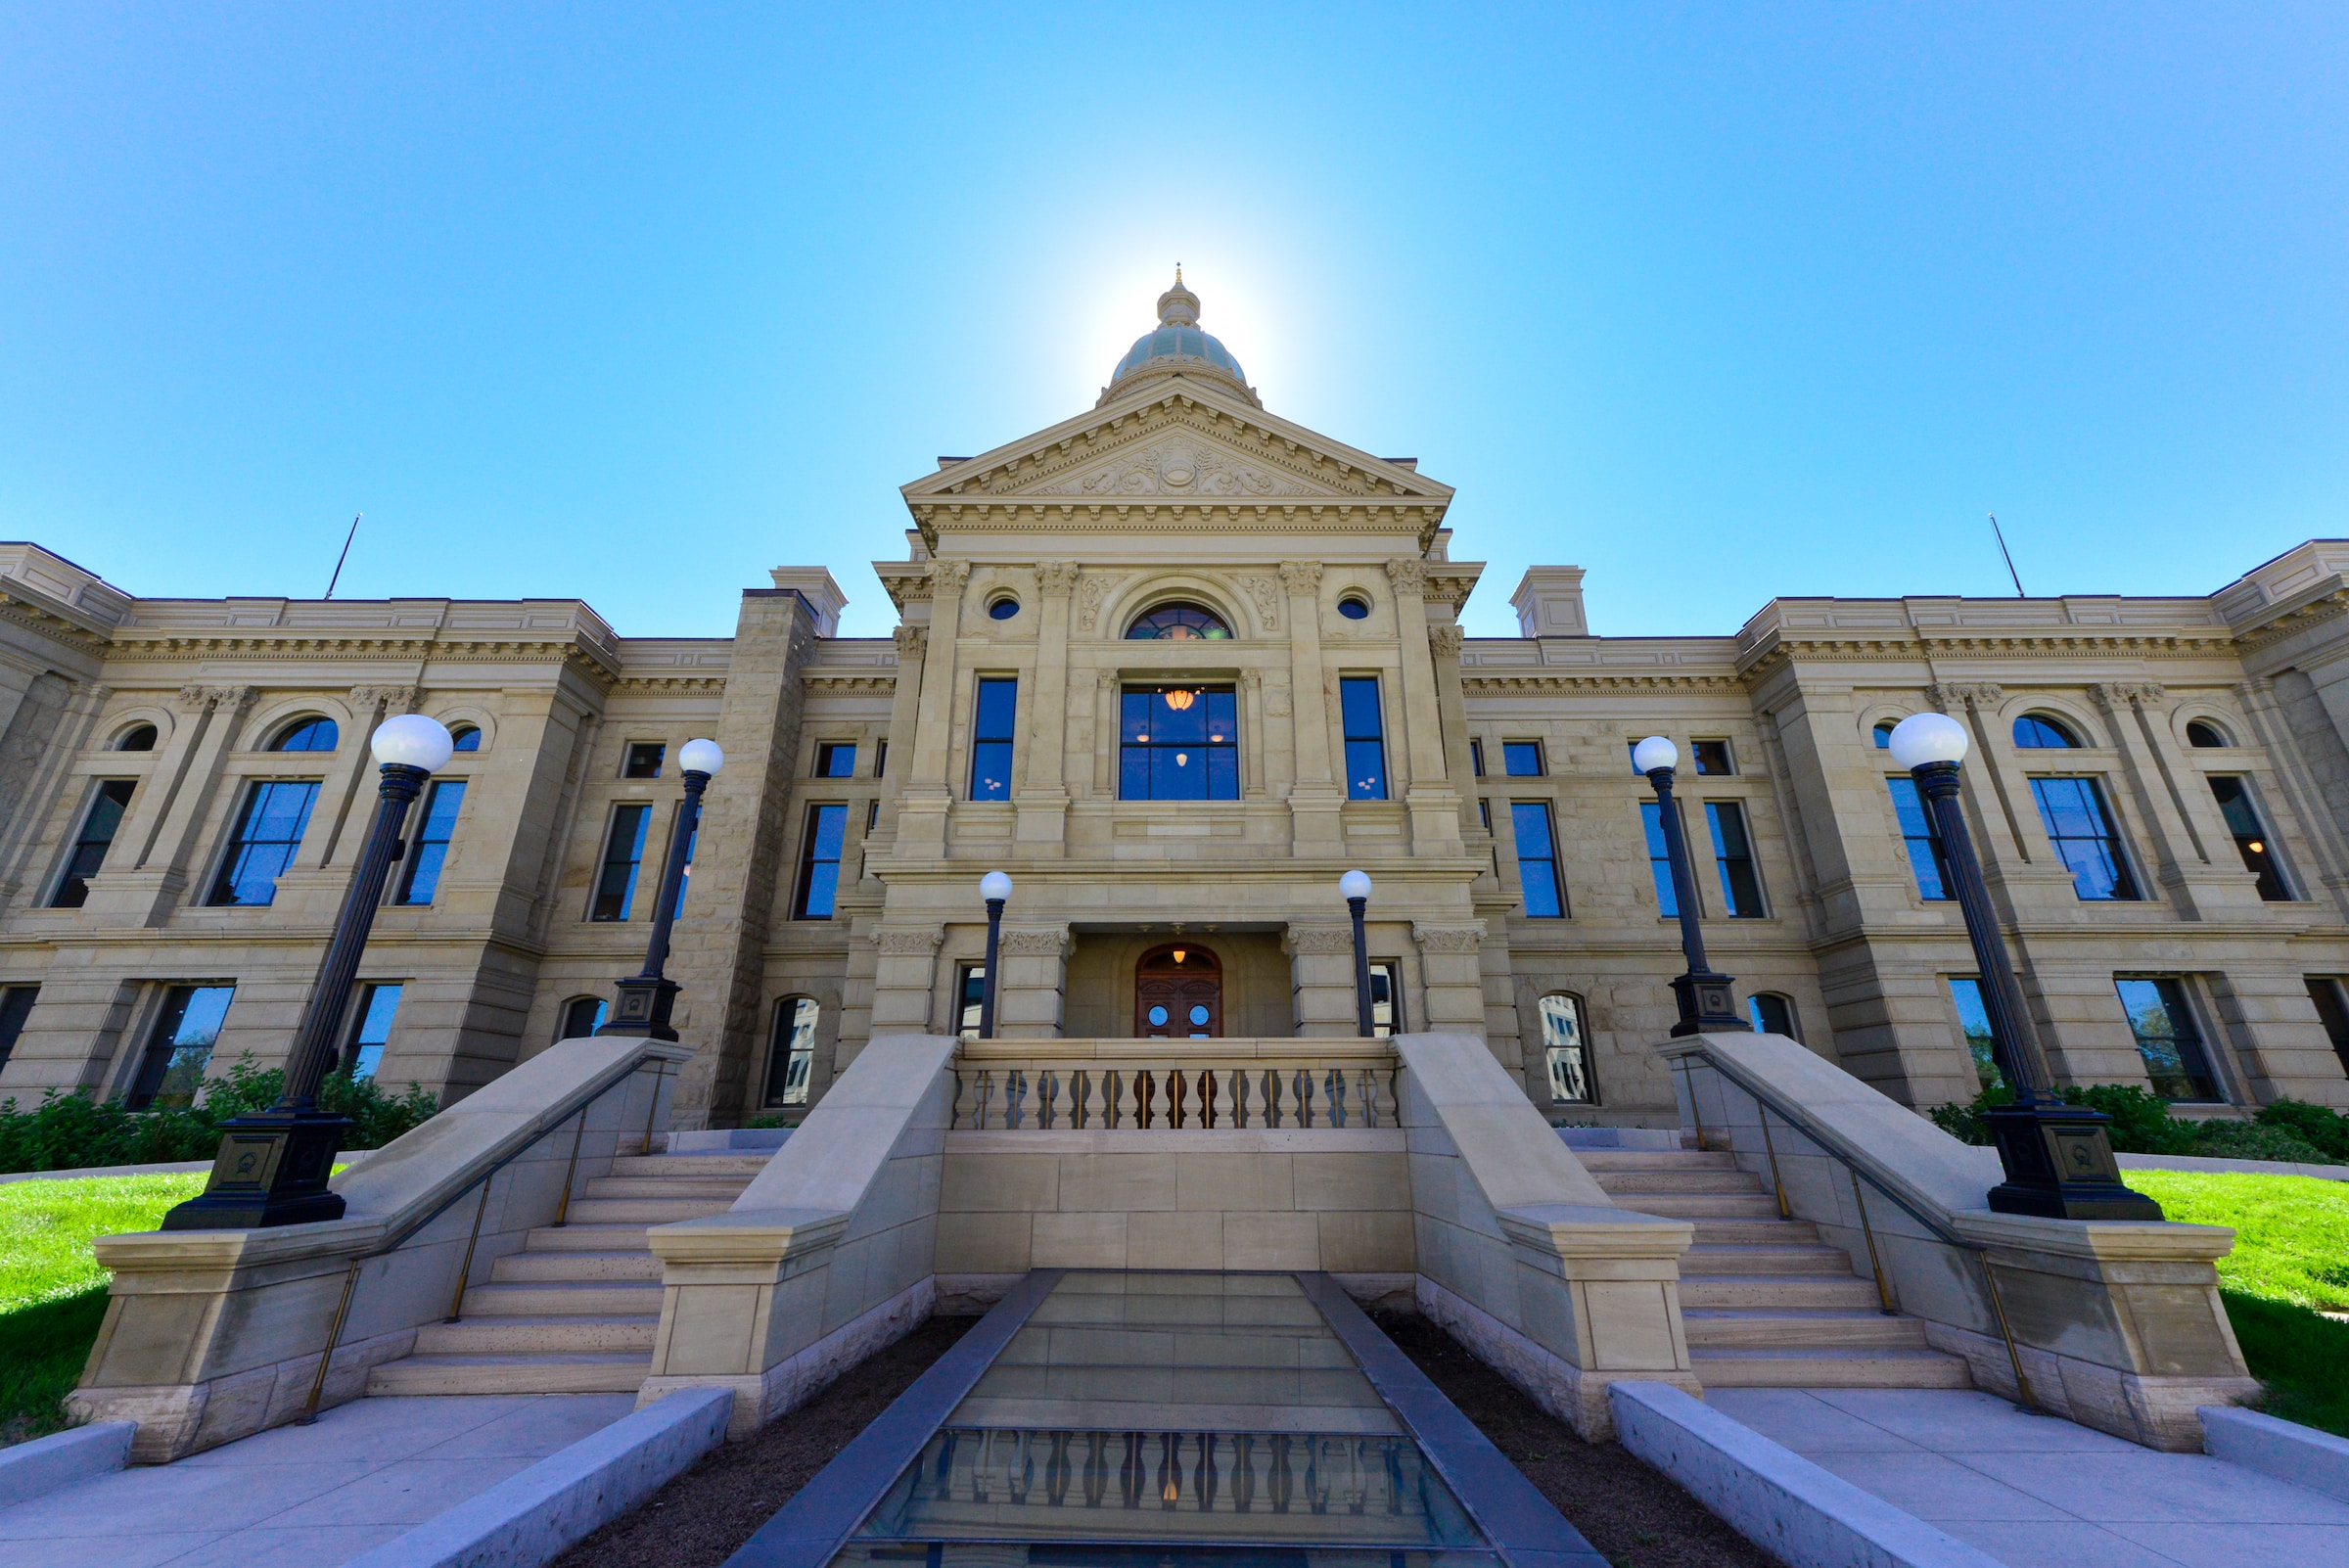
x: 2255, y: 1140
x: 2290, y: 1131
x: 2328, y: 1130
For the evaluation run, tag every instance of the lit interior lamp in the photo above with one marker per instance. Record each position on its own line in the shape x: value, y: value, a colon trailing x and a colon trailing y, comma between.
x: 1180, y: 700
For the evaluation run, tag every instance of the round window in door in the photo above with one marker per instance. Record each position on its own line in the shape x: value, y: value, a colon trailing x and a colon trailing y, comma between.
x: 1179, y: 993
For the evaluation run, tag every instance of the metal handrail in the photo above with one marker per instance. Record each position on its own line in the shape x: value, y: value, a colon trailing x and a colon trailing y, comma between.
x: 1767, y: 1100
x: 399, y: 1237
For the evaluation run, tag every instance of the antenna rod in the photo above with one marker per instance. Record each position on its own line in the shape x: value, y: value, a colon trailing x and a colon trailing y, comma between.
x: 344, y: 555
x: 2003, y: 550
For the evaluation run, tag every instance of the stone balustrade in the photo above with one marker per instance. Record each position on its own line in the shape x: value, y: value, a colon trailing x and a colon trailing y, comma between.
x: 1146, y: 1084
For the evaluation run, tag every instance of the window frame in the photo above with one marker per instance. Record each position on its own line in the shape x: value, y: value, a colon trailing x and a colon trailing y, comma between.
x: 413, y: 851
x: 2116, y: 847
x: 604, y: 862
x: 1348, y: 740
x: 569, y: 1008
x: 1760, y: 1002
x: 1929, y: 841
x: 2261, y: 855
x: 2192, y: 1042
x: 1557, y: 880
x: 1659, y: 858
x: 811, y: 830
x: 827, y: 752
x: 1579, y: 1010
x: 1390, y: 971
x: 967, y: 1005
x: 631, y: 757
x: 157, y: 1057
x: 784, y: 1053
x: 1512, y: 751
x: 17, y: 1003
x: 1696, y: 758
x: 354, y: 1047
x: 2332, y: 1012
x: 1215, y: 619
x: 1208, y: 750
x: 234, y: 841
x: 1989, y: 1070
x: 1723, y: 860
x: 985, y: 743
x: 65, y: 895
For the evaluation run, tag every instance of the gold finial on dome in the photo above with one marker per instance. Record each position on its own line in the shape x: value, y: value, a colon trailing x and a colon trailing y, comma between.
x: 1178, y: 307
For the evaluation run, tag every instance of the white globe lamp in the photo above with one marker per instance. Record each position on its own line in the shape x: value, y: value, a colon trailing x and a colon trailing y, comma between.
x: 701, y: 757
x: 1653, y: 753
x: 1923, y: 738
x: 995, y: 887
x: 1354, y: 885
x: 412, y: 740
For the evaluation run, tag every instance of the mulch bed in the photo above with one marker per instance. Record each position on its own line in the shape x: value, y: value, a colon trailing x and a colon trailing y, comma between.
x: 1633, y: 1515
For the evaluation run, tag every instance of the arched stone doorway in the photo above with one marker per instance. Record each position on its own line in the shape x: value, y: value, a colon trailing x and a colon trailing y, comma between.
x: 1179, y: 993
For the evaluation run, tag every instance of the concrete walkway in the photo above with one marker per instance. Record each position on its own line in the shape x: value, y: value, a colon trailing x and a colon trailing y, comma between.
x: 318, y: 1495
x: 2035, y: 1492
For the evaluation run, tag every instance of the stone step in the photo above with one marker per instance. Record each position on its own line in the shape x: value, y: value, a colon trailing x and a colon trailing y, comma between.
x: 1622, y: 1183
x: 527, y: 1267
x: 1794, y: 1258
x: 510, y: 1374
x: 727, y: 1188
x: 564, y: 1298
x: 1773, y: 1231
x: 647, y: 1211
x: 1683, y: 1206
x: 1775, y: 1329
x: 1771, y: 1292
x: 1827, y: 1369
x: 698, y: 1166
x: 1596, y: 1159
x: 609, y: 1335
x: 588, y: 1238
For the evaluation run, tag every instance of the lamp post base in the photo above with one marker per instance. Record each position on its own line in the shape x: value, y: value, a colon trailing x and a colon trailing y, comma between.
x: 1708, y: 1005
x: 272, y: 1169
x: 643, y: 1008
x: 2060, y: 1165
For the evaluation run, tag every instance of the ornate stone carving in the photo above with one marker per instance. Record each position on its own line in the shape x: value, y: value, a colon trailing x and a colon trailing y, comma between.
x: 2113, y: 695
x: 948, y: 576
x: 395, y: 700
x: 1982, y: 696
x: 229, y: 701
x: 1318, y: 941
x: 1301, y: 577
x: 1055, y: 576
x: 1409, y: 577
x: 1445, y: 640
x: 1277, y: 700
x: 1264, y: 594
x: 1035, y: 942
x: 912, y: 642
x: 1179, y: 464
x: 1449, y: 938
x: 1091, y: 593
x: 903, y: 943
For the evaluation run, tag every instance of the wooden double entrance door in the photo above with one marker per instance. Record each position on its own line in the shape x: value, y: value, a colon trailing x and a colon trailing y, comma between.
x: 1179, y: 993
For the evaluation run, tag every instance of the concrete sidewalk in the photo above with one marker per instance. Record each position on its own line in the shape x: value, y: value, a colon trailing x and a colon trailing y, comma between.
x: 2035, y: 1492
x: 319, y: 1495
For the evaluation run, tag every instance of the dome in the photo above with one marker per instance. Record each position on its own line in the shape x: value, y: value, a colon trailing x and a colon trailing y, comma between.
x: 1177, y: 347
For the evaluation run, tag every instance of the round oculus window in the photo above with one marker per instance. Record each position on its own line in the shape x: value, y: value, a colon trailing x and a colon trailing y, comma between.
x: 1157, y: 1017
x: 1354, y: 608
x: 1003, y: 608
x: 1198, y: 1015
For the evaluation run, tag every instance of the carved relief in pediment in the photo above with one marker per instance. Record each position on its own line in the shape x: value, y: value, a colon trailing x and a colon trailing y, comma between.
x: 1179, y: 465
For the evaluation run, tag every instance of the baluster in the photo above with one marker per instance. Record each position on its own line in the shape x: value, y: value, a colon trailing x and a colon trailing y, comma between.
x: 1273, y: 1098
x: 963, y: 1087
x: 1080, y: 1084
x: 1063, y: 1112
x: 1388, y: 1109
x: 1215, y: 1096
x: 1303, y: 1085
x: 1015, y: 1098
x: 1145, y: 1096
x: 1178, y: 1087
x: 1333, y: 1094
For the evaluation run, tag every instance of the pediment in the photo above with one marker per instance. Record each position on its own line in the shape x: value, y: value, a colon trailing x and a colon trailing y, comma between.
x: 1184, y: 462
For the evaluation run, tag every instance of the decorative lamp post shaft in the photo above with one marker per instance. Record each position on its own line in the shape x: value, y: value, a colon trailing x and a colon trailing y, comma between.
x: 1708, y: 1001
x: 1365, y: 1023
x: 2002, y: 997
x: 986, y: 991
x: 647, y: 1000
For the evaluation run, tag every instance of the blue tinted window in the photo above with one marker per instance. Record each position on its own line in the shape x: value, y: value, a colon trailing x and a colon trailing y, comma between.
x: 464, y: 738
x: 2168, y: 1040
x: 624, y: 853
x: 1536, y: 860
x: 1925, y: 859
x: 1521, y: 759
x: 310, y: 735
x: 1366, y: 738
x: 836, y: 760
x: 1659, y: 856
x: 171, y: 1074
x: 371, y: 1030
x: 1733, y: 854
x: 819, y: 863
x: 421, y: 878
x: 2072, y: 811
x: 990, y: 739
x: 1973, y: 1020
x: 2034, y: 733
x: 1178, y: 742
x: 265, y: 840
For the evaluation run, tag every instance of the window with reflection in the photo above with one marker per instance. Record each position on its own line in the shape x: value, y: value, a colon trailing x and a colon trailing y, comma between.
x: 464, y: 738
x: 1536, y: 860
x: 1179, y: 623
x: 1927, y: 861
x: 820, y: 862
x: 1386, y: 997
x: 1565, y: 1050
x: 265, y: 840
x: 179, y: 1049
x: 995, y: 709
x: 427, y: 851
x: 582, y: 1016
x: 2080, y: 827
x: 1973, y: 1022
x: 90, y: 845
x: 1178, y: 742
x: 1771, y: 1013
x: 791, y: 1060
x: 1366, y: 738
x: 2168, y: 1039
x: 2037, y: 732
x: 2251, y: 840
x: 308, y: 735
x: 370, y: 1030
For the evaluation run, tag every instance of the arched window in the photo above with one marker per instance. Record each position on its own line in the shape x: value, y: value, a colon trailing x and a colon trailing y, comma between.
x: 582, y: 1016
x: 1179, y: 623
x: 308, y: 735
x: 1564, y: 1048
x: 464, y: 738
x: 137, y: 738
x: 791, y: 1057
x: 1884, y: 735
x: 1772, y: 1014
x: 2038, y: 732
x: 2202, y: 732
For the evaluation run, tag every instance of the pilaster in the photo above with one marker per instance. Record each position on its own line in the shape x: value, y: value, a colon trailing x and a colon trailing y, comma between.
x: 1322, y: 979
x: 1042, y: 797
x: 156, y: 844
x: 1315, y: 797
x: 904, y: 979
x: 1030, y: 997
x: 1433, y: 803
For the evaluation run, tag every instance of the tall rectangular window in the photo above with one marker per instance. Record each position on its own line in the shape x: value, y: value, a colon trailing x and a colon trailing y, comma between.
x: 1659, y: 858
x: 836, y: 760
x: 2325, y: 991
x: 1973, y: 1019
x: 1476, y: 757
x: 1536, y: 860
x: 820, y: 862
x: 1521, y: 759
x: 1734, y: 853
x: 1366, y: 738
x: 90, y: 845
x: 370, y: 1030
x: 1563, y: 1049
x: 624, y: 853
x: 2073, y: 812
x: 969, y: 1000
x: 420, y: 877
x: 16, y: 1006
x: 791, y: 1057
x: 2251, y: 840
x: 1178, y: 742
x: 2168, y: 1039
x: 997, y: 710
x: 1386, y: 997
x: 179, y: 1049
x: 264, y: 842
x: 880, y: 757
x: 1926, y: 861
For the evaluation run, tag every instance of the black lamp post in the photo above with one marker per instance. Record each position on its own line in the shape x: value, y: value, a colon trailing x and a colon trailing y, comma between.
x: 1356, y: 886
x: 995, y: 889
x: 1707, y: 1004
x: 2057, y: 1157
x: 647, y: 1000
x: 273, y: 1165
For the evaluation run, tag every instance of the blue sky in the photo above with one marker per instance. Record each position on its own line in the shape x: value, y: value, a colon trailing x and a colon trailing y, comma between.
x: 634, y: 303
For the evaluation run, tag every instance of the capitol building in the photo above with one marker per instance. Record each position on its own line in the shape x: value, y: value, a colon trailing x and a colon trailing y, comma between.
x: 1175, y: 665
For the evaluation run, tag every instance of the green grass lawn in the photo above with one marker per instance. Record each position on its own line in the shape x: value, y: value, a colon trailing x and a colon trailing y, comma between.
x: 2290, y: 1264
x: 52, y: 1291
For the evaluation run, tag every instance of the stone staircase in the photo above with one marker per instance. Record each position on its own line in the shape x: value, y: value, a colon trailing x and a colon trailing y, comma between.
x: 574, y: 1310
x: 1768, y: 1303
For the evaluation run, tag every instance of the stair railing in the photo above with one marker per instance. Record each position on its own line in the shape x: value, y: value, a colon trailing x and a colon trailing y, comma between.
x: 1765, y: 1101
x: 400, y: 1236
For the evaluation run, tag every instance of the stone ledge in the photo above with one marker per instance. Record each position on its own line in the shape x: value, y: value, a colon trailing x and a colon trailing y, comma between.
x: 2285, y: 1450
x: 30, y: 1470
x: 1155, y: 1141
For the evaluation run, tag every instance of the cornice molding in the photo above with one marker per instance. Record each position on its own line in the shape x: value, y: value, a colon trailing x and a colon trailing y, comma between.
x: 1560, y: 683
x: 1449, y: 938
x: 853, y: 685
x: 314, y: 646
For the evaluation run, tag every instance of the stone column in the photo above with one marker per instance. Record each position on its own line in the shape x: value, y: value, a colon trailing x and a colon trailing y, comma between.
x: 1451, y: 712
x: 927, y: 793
x: 903, y: 981
x: 1453, y: 979
x: 1322, y: 980
x: 2324, y: 865
x: 1435, y: 805
x: 158, y: 842
x: 1042, y: 797
x: 2179, y: 859
x: 21, y: 818
x: 1316, y: 796
x: 1031, y: 996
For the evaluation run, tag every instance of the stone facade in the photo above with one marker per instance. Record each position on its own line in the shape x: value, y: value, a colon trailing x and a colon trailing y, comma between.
x: 1178, y: 486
